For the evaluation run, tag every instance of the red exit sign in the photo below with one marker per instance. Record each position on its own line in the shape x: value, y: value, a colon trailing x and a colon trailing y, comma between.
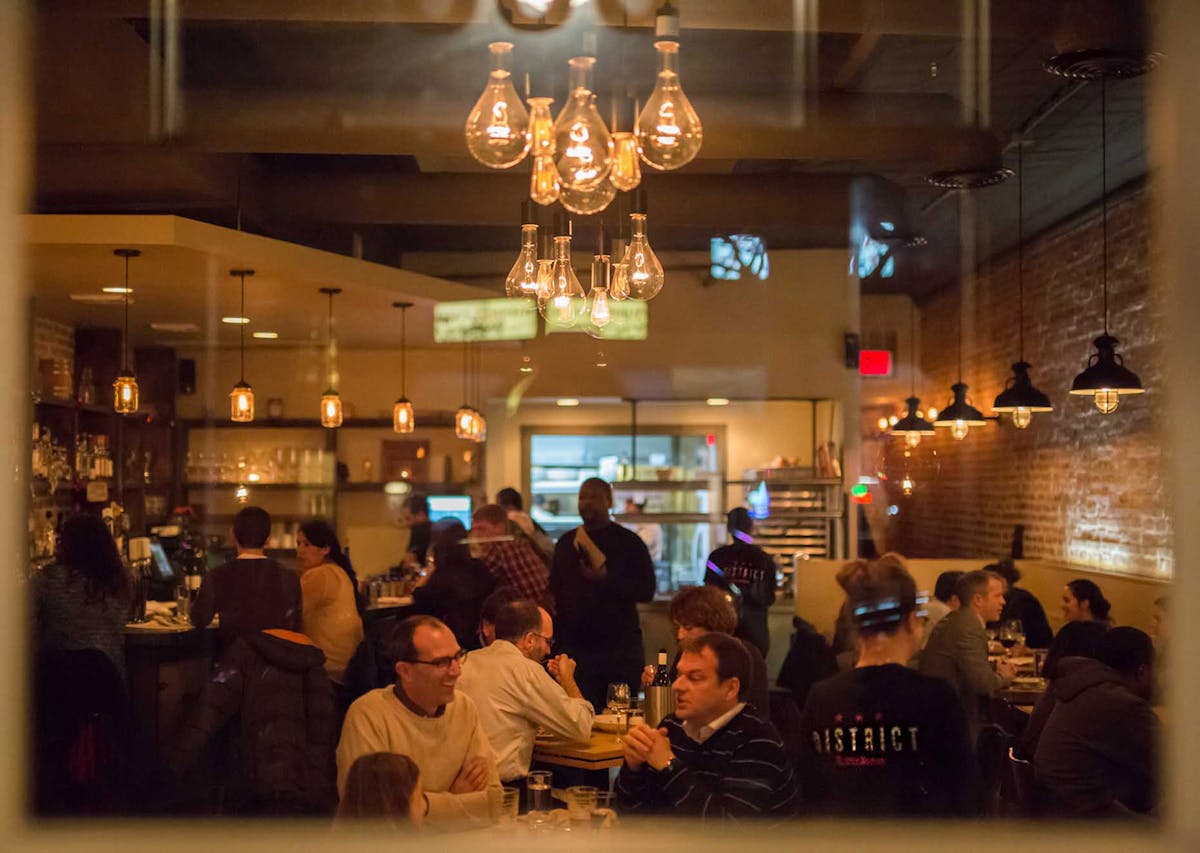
x: 874, y: 362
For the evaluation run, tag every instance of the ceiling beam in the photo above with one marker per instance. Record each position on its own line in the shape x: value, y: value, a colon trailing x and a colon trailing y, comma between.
x: 719, y: 202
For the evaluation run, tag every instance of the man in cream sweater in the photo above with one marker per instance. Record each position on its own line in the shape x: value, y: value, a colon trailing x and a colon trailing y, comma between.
x: 424, y: 717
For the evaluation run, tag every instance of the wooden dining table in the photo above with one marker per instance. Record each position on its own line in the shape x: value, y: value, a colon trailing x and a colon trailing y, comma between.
x: 600, y: 752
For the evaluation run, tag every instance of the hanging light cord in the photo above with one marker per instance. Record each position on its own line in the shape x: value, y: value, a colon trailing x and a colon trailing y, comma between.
x: 242, y: 327
x: 912, y: 343
x: 125, y: 341
x: 1021, y: 248
x: 403, y: 352
x: 466, y: 368
x: 1104, y: 192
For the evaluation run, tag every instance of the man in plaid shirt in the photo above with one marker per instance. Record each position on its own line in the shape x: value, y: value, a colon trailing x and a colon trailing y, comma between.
x: 512, y: 561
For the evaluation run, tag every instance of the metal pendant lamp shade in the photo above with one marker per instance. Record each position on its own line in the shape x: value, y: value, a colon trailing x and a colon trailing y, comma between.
x: 1106, y: 377
x: 1019, y: 393
x: 960, y: 410
x: 912, y: 426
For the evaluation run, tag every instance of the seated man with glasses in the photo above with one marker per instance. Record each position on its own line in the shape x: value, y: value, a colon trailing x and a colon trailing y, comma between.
x: 424, y: 717
x: 516, y: 697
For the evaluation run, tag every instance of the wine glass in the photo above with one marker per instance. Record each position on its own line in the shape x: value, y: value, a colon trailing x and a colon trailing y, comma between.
x: 1010, y: 630
x: 618, y: 698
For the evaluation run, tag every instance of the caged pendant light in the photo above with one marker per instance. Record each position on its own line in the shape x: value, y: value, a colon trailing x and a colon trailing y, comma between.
x: 912, y: 426
x: 403, y: 421
x: 1106, y: 377
x: 241, y: 398
x: 331, y: 401
x: 1020, y: 397
x: 125, y: 386
x: 464, y: 418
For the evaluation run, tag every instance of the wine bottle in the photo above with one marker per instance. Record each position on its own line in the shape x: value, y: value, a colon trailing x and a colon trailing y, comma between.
x: 662, y: 675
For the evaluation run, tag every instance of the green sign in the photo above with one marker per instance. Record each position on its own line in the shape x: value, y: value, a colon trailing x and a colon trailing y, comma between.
x: 629, y: 320
x: 484, y: 320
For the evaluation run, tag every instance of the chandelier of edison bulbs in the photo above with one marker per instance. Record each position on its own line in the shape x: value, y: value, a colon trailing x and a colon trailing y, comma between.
x: 575, y: 158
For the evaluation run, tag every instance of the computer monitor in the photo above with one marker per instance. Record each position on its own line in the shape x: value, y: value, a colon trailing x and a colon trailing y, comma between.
x: 163, y: 570
x: 450, y: 506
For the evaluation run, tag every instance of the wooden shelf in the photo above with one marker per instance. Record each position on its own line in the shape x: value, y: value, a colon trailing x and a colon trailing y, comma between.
x: 72, y: 405
x: 266, y: 487
x: 715, y: 482
x: 440, y: 421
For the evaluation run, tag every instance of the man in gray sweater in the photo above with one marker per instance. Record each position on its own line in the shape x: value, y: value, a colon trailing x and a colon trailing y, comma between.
x: 1098, y: 751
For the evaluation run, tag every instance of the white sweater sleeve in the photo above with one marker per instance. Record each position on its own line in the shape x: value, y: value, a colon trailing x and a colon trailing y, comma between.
x: 478, y: 809
x: 553, y: 710
x: 361, y: 735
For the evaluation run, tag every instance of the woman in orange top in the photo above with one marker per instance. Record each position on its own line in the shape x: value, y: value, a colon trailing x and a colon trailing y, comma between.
x: 331, y: 607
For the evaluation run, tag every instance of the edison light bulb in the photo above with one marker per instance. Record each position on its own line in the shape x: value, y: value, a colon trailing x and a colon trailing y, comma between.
x: 125, y: 394
x: 645, y: 273
x: 241, y: 494
x: 331, y: 409
x: 582, y: 146
x: 626, y: 168
x: 403, y: 421
x: 618, y: 288
x: 564, y: 305
x: 522, y: 278
x: 241, y: 403
x: 587, y: 202
x: 544, y: 186
x: 599, y: 311
x: 541, y: 127
x: 907, y: 485
x: 1022, y: 417
x: 668, y: 128
x: 1106, y: 401
x: 463, y: 422
x: 498, y: 122
x: 545, y: 279
x: 959, y: 430
x: 912, y: 439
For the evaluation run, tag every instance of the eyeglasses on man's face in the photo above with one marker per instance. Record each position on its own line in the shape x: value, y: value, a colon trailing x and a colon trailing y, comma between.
x: 441, y: 663
x: 549, y: 641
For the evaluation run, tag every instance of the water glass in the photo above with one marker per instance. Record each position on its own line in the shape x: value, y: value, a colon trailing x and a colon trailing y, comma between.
x: 183, y: 602
x: 509, y: 802
x: 537, y: 787
x: 581, y: 802
x: 604, y: 815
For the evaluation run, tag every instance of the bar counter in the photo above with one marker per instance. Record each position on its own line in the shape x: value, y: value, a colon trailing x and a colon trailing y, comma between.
x: 168, y: 666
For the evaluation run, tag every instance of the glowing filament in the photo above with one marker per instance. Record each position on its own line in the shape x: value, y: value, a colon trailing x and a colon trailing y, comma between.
x: 1022, y: 417
x: 600, y: 311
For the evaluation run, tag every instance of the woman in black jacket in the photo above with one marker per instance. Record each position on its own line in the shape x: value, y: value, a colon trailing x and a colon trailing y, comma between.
x: 458, y: 586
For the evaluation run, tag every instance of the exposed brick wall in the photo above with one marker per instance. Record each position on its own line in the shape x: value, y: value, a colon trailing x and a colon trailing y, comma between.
x: 1089, y: 488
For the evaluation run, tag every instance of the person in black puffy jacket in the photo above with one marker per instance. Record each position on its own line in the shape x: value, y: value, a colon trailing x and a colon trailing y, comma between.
x: 274, y: 682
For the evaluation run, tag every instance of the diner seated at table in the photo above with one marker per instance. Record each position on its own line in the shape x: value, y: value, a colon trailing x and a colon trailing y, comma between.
x: 512, y: 561
x: 1022, y: 605
x: 944, y: 601
x: 1098, y: 751
x: 883, y: 740
x: 331, y: 606
x: 957, y: 651
x: 488, y: 610
x: 424, y: 717
x: 516, y: 697
x: 698, y: 610
x: 1083, y: 601
x: 383, y: 787
x: 251, y: 592
x: 714, y: 757
x: 459, y: 585
x: 1074, y: 643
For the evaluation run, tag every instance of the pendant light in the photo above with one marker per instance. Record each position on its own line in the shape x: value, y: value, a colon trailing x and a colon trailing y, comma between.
x: 644, y: 273
x: 497, y: 126
x: 403, y: 421
x: 563, y: 307
x: 912, y: 426
x: 1106, y: 377
x: 331, y: 401
x: 479, y: 425
x: 959, y: 416
x: 1020, y: 397
x: 125, y: 386
x: 241, y: 398
x: 464, y: 418
x: 668, y: 129
x: 522, y: 279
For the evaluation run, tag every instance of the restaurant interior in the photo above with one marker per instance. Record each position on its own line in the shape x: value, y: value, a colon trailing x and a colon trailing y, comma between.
x: 894, y: 275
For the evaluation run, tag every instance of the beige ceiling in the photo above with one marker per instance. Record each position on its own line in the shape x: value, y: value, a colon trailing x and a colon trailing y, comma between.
x: 183, y: 276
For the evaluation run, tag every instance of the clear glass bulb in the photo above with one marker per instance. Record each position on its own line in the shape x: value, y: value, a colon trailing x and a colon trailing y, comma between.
x: 912, y: 439
x: 522, y: 278
x: 544, y: 186
x: 959, y: 430
x: 564, y: 305
x: 463, y: 422
x: 907, y: 485
x: 497, y: 125
x: 582, y: 146
x: 125, y: 394
x: 1022, y: 417
x: 331, y: 409
x: 668, y: 128
x: 645, y: 274
x: 627, y: 167
x: 587, y: 202
x: 599, y: 306
x: 403, y: 421
x: 1106, y: 400
x: 545, y: 279
x: 541, y: 127
x: 618, y: 287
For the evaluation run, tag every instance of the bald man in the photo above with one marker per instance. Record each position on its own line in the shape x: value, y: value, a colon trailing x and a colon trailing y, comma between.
x: 600, y: 572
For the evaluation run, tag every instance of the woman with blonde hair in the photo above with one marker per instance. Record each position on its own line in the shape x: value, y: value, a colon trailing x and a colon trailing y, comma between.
x: 383, y: 786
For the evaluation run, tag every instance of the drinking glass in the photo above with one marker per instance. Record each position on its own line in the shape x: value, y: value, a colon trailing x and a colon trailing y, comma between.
x: 537, y: 787
x: 581, y: 802
x: 604, y: 815
x: 509, y: 802
x: 618, y: 698
x: 183, y: 602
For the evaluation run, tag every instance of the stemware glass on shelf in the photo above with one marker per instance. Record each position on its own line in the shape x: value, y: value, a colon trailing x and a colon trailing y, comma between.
x: 618, y: 698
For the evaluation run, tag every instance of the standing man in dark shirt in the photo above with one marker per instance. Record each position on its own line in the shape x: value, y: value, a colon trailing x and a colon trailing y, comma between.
x: 252, y: 592
x: 600, y: 572
x: 743, y: 564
